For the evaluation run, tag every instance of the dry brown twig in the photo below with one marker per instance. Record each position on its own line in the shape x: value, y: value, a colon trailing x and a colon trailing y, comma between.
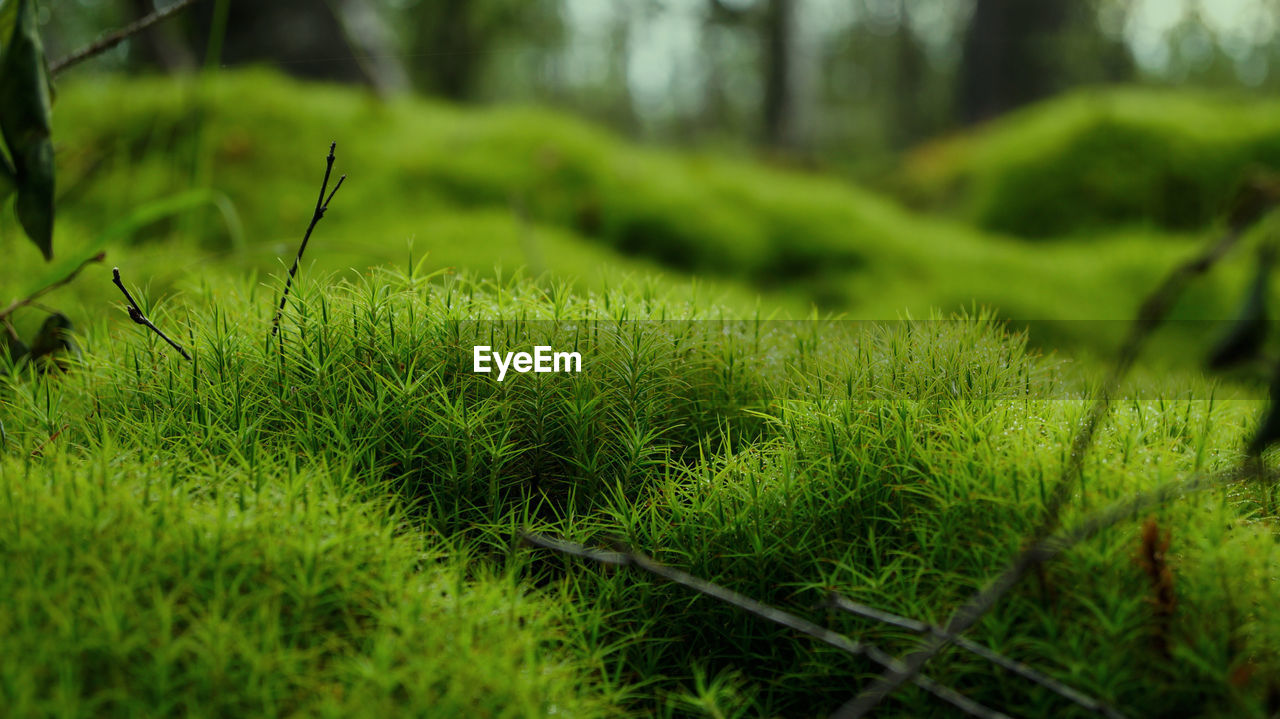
x: 39, y: 450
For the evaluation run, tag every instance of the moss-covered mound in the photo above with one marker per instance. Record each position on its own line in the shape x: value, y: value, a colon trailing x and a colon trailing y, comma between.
x: 139, y: 583
x: 1094, y: 160
x: 256, y: 136
x: 323, y: 523
x: 180, y: 178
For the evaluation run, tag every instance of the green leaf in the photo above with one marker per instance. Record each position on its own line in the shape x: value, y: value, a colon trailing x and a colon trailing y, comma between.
x: 8, y: 19
x: 8, y: 177
x: 25, y: 119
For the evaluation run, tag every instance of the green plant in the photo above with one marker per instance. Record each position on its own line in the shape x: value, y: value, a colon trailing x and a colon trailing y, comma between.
x: 26, y: 150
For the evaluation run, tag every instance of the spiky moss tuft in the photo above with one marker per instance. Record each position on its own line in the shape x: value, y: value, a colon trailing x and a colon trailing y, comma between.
x: 149, y: 581
x: 898, y: 463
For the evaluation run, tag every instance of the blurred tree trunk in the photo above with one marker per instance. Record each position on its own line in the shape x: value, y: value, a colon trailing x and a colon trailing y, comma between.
x: 461, y: 45
x: 622, y: 110
x: 304, y: 37
x: 372, y: 40
x: 720, y: 115
x: 452, y: 50
x: 715, y: 102
x: 161, y: 46
x: 910, y: 117
x: 779, y: 88
x: 774, y: 24
x: 1008, y: 51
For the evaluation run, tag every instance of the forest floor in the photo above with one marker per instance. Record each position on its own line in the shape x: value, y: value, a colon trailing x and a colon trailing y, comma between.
x: 327, y: 520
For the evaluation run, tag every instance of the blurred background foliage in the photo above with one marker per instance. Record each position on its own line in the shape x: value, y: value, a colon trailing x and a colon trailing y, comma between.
x: 844, y: 86
x: 836, y: 82
x: 861, y: 156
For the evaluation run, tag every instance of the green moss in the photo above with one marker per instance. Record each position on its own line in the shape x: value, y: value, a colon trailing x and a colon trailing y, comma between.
x: 258, y: 135
x: 280, y: 504
x: 1100, y: 159
x: 188, y: 585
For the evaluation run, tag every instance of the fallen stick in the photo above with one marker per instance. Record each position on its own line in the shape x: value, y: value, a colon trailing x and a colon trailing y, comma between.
x: 844, y: 604
x: 762, y: 610
x: 135, y: 314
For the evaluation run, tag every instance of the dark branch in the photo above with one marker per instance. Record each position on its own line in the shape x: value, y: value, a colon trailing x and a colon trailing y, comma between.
x: 845, y: 604
x: 115, y: 38
x: 31, y: 298
x: 761, y: 610
x: 1150, y: 315
x: 322, y: 204
x: 135, y: 314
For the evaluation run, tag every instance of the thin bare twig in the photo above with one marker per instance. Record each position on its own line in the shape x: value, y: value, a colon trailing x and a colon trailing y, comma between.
x: 763, y: 611
x: 135, y: 314
x: 322, y: 204
x: 844, y: 604
x: 1150, y: 315
x: 112, y: 39
x: 1050, y: 547
x: 31, y: 298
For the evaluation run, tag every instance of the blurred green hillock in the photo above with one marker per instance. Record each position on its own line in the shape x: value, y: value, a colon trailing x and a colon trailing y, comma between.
x: 263, y: 135
x: 238, y: 158
x: 1099, y: 159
